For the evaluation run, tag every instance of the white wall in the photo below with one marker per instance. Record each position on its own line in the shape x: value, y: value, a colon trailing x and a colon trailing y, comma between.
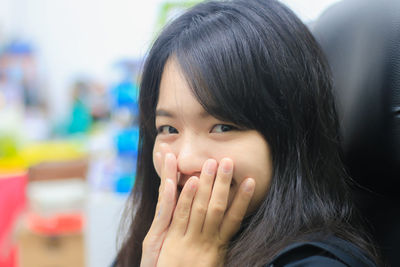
x: 86, y: 36
x: 79, y: 37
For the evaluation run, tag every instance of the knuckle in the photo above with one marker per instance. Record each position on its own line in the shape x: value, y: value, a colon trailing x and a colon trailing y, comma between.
x: 235, y: 218
x: 146, y: 243
x: 200, y: 209
x: 183, y: 212
x: 224, y: 178
x: 148, y: 246
x: 151, y: 240
x: 218, y: 209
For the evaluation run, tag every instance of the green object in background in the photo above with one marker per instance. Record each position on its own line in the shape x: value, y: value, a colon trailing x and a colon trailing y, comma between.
x: 81, y: 119
x: 170, y: 9
x: 8, y: 146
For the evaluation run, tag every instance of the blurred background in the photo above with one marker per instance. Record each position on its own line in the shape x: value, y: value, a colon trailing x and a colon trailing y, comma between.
x: 69, y: 73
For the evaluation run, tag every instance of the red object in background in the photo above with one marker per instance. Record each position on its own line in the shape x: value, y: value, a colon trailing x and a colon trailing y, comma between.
x: 12, y: 203
x: 57, y: 224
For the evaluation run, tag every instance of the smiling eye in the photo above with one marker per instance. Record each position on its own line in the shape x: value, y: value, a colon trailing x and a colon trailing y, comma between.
x: 166, y: 129
x: 220, y: 128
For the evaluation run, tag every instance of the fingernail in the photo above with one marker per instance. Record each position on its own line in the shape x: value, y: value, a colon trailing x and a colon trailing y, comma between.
x: 210, y: 167
x: 227, y: 166
x: 169, y: 156
x: 249, y: 185
x: 158, y: 157
x: 169, y: 182
x: 168, y: 187
x: 163, y: 145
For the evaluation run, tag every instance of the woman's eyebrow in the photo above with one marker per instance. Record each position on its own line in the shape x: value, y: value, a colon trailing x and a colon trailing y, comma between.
x: 164, y: 113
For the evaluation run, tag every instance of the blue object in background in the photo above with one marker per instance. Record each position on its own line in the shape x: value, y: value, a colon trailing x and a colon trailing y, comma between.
x: 124, y: 184
x: 126, y: 143
x: 125, y: 94
x: 19, y: 47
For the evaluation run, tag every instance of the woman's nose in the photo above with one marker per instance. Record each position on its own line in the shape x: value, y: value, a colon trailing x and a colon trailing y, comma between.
x: 191, y: 157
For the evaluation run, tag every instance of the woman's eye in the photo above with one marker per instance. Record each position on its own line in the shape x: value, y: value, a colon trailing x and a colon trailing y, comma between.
x: 166, y: 129
x: 220, y: 128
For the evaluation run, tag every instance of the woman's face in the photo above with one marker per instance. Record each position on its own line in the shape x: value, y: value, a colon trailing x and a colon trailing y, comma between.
x: 194, y: 136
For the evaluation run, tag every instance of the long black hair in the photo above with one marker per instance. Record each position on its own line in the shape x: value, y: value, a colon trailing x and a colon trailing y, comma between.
x: 255, y: 64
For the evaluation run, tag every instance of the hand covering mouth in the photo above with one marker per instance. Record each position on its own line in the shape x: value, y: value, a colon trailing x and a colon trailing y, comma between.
x: 183, y: 179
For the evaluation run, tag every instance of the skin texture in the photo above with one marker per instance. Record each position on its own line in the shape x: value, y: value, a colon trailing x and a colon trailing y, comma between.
x: 212, y: 175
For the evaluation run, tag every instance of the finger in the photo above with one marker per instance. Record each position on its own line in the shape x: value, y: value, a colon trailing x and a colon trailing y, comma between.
x: 219, y: 197
x: 164, y: 210
x: 158, y: 165
x: 164, y: 150
x: 157, y: 161
x: 168, y: 172
x: 160, y: 155
x: 182, y: 211
x: 154, y: 239
x: 202, y: 197
x: 170, y: 168
x: 234, y: 216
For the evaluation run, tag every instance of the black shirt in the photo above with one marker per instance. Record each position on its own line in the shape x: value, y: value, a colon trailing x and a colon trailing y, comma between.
x: 331, y: 252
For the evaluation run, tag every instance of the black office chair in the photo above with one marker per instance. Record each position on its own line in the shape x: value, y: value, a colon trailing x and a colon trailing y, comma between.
x: 361, y: 39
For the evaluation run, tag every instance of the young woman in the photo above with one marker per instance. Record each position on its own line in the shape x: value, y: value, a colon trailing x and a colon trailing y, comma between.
x: 239, y: 161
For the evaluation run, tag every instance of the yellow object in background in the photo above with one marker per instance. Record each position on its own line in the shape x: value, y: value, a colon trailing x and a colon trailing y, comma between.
x: 10, y: 162
x: 51, y: 151
x: 36, y: 153
x: 12, y: 165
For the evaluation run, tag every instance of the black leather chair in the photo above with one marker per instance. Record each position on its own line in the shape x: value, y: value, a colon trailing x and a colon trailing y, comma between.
x: 361, y: 39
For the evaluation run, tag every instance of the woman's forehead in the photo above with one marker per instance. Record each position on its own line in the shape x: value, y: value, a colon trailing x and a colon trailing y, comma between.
x: 175, y: 95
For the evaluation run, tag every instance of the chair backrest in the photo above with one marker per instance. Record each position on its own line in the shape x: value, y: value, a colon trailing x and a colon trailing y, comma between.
x: 361, y: 39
